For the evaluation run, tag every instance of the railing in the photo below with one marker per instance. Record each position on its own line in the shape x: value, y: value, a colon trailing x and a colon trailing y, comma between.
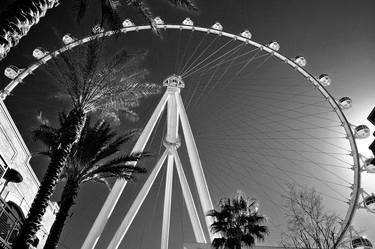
x: 10, y: 224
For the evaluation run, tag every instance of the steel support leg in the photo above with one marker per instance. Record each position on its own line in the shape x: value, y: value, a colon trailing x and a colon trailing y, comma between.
x: 196, y: 165
x: 189, y: 201
x: 117, y: 189
x: 167, y: 204
x: 126, y: 222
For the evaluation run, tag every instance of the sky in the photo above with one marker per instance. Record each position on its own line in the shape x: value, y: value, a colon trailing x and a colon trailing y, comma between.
x: 336, y: 37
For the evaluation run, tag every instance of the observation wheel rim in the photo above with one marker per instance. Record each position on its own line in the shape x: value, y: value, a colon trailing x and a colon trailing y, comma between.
x: 356, y: 186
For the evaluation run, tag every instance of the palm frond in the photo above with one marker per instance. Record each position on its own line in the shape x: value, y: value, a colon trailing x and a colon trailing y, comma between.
x: 48, y: 135
x: 122, y: 160
x: 102, y: 180
x: 18, y: 18
x: 108, y: 149
x: 185, y: 4
x: 110, y: 13
x: 112, y: 88
x: 218, y: 243
x: 80, y: 7
x: 146, y: 12
x: 118, y: 168
x: 92, y: 60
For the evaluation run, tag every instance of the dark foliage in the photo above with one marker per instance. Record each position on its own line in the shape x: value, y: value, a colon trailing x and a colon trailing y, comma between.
x: 94, y: 158
x: 106, y: 88
x: 238, y: 223
x: 18, y: 18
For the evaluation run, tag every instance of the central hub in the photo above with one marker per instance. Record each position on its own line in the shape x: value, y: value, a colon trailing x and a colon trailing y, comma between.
x: 174, y: 81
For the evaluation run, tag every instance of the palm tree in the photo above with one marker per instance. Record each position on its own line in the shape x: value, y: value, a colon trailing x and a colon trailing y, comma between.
x: 106, y: 88
x: 93, y: 159
x: 238, y: 223
x: 18, y: 18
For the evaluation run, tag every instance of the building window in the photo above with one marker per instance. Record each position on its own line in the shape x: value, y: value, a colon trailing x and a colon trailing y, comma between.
x: 11, y: 219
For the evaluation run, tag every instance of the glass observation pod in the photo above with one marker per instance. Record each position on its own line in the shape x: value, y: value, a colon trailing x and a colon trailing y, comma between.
x: 300, y: 61
x: 369, y: 203
x: 188, y: 22
x: 12, y: 72
x: 217, y: 26
x: 325, y: 80
x: 370, y: 165
x: 274, y: 45
x: 67, y: 39
x: 361, y: 131
x: 39, y: 53
x: 246, y: 33
x: 361, y: 243
x: 127, y: 23
x: 158, y: 21
x: 345, y: 102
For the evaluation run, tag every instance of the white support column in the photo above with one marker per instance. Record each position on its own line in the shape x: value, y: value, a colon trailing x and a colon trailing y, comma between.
x: 189, y: 201
x: 117, y: 189
x: 126, y: 222
x: 172, y: 116
x: 196, y: 165
x: 171, y: 143
x: 167, y: 203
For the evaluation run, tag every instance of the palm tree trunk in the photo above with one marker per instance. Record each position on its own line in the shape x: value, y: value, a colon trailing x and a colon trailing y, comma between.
x: 67, y: 201
x: 17, y: 20
x: 71, y: 132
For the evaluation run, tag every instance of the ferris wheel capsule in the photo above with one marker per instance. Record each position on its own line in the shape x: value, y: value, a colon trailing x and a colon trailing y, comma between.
x: 97, y: 29
x: 369, y: 203
x: 39, y: 53
x: 369, y: 165
x: 188, y: 22
x: 246, y: 33
x: 12, y: 72
x: 361, y: 131
x: 217, y: 26
x: 127, y: 23
x: 361, y: 242
x: 67, y: 39
x: 325, y: 80
x: 345, y: 103
x: 274, y: 45
x: 300, y: 61
x: 158, y: 21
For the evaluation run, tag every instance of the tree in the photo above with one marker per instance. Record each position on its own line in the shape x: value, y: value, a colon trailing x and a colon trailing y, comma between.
x: 106, y: 88
x: 18, y: 18
x: 309, y: 225
x: 238, y: 222
x: 93, y: 159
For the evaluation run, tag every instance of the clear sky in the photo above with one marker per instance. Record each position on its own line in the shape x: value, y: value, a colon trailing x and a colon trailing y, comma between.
x: 337, y: 37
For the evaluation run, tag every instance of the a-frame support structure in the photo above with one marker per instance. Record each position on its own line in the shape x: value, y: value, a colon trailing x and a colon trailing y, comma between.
x: 176, y: 114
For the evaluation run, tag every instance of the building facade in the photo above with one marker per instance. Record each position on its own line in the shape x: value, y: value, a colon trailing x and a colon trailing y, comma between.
x: 16, y: 198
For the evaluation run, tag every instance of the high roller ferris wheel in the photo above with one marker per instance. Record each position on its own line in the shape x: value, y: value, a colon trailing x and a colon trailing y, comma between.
x: 273, y: 129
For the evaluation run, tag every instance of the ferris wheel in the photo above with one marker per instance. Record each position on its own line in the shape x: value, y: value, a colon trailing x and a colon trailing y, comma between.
x: 243, y: 116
